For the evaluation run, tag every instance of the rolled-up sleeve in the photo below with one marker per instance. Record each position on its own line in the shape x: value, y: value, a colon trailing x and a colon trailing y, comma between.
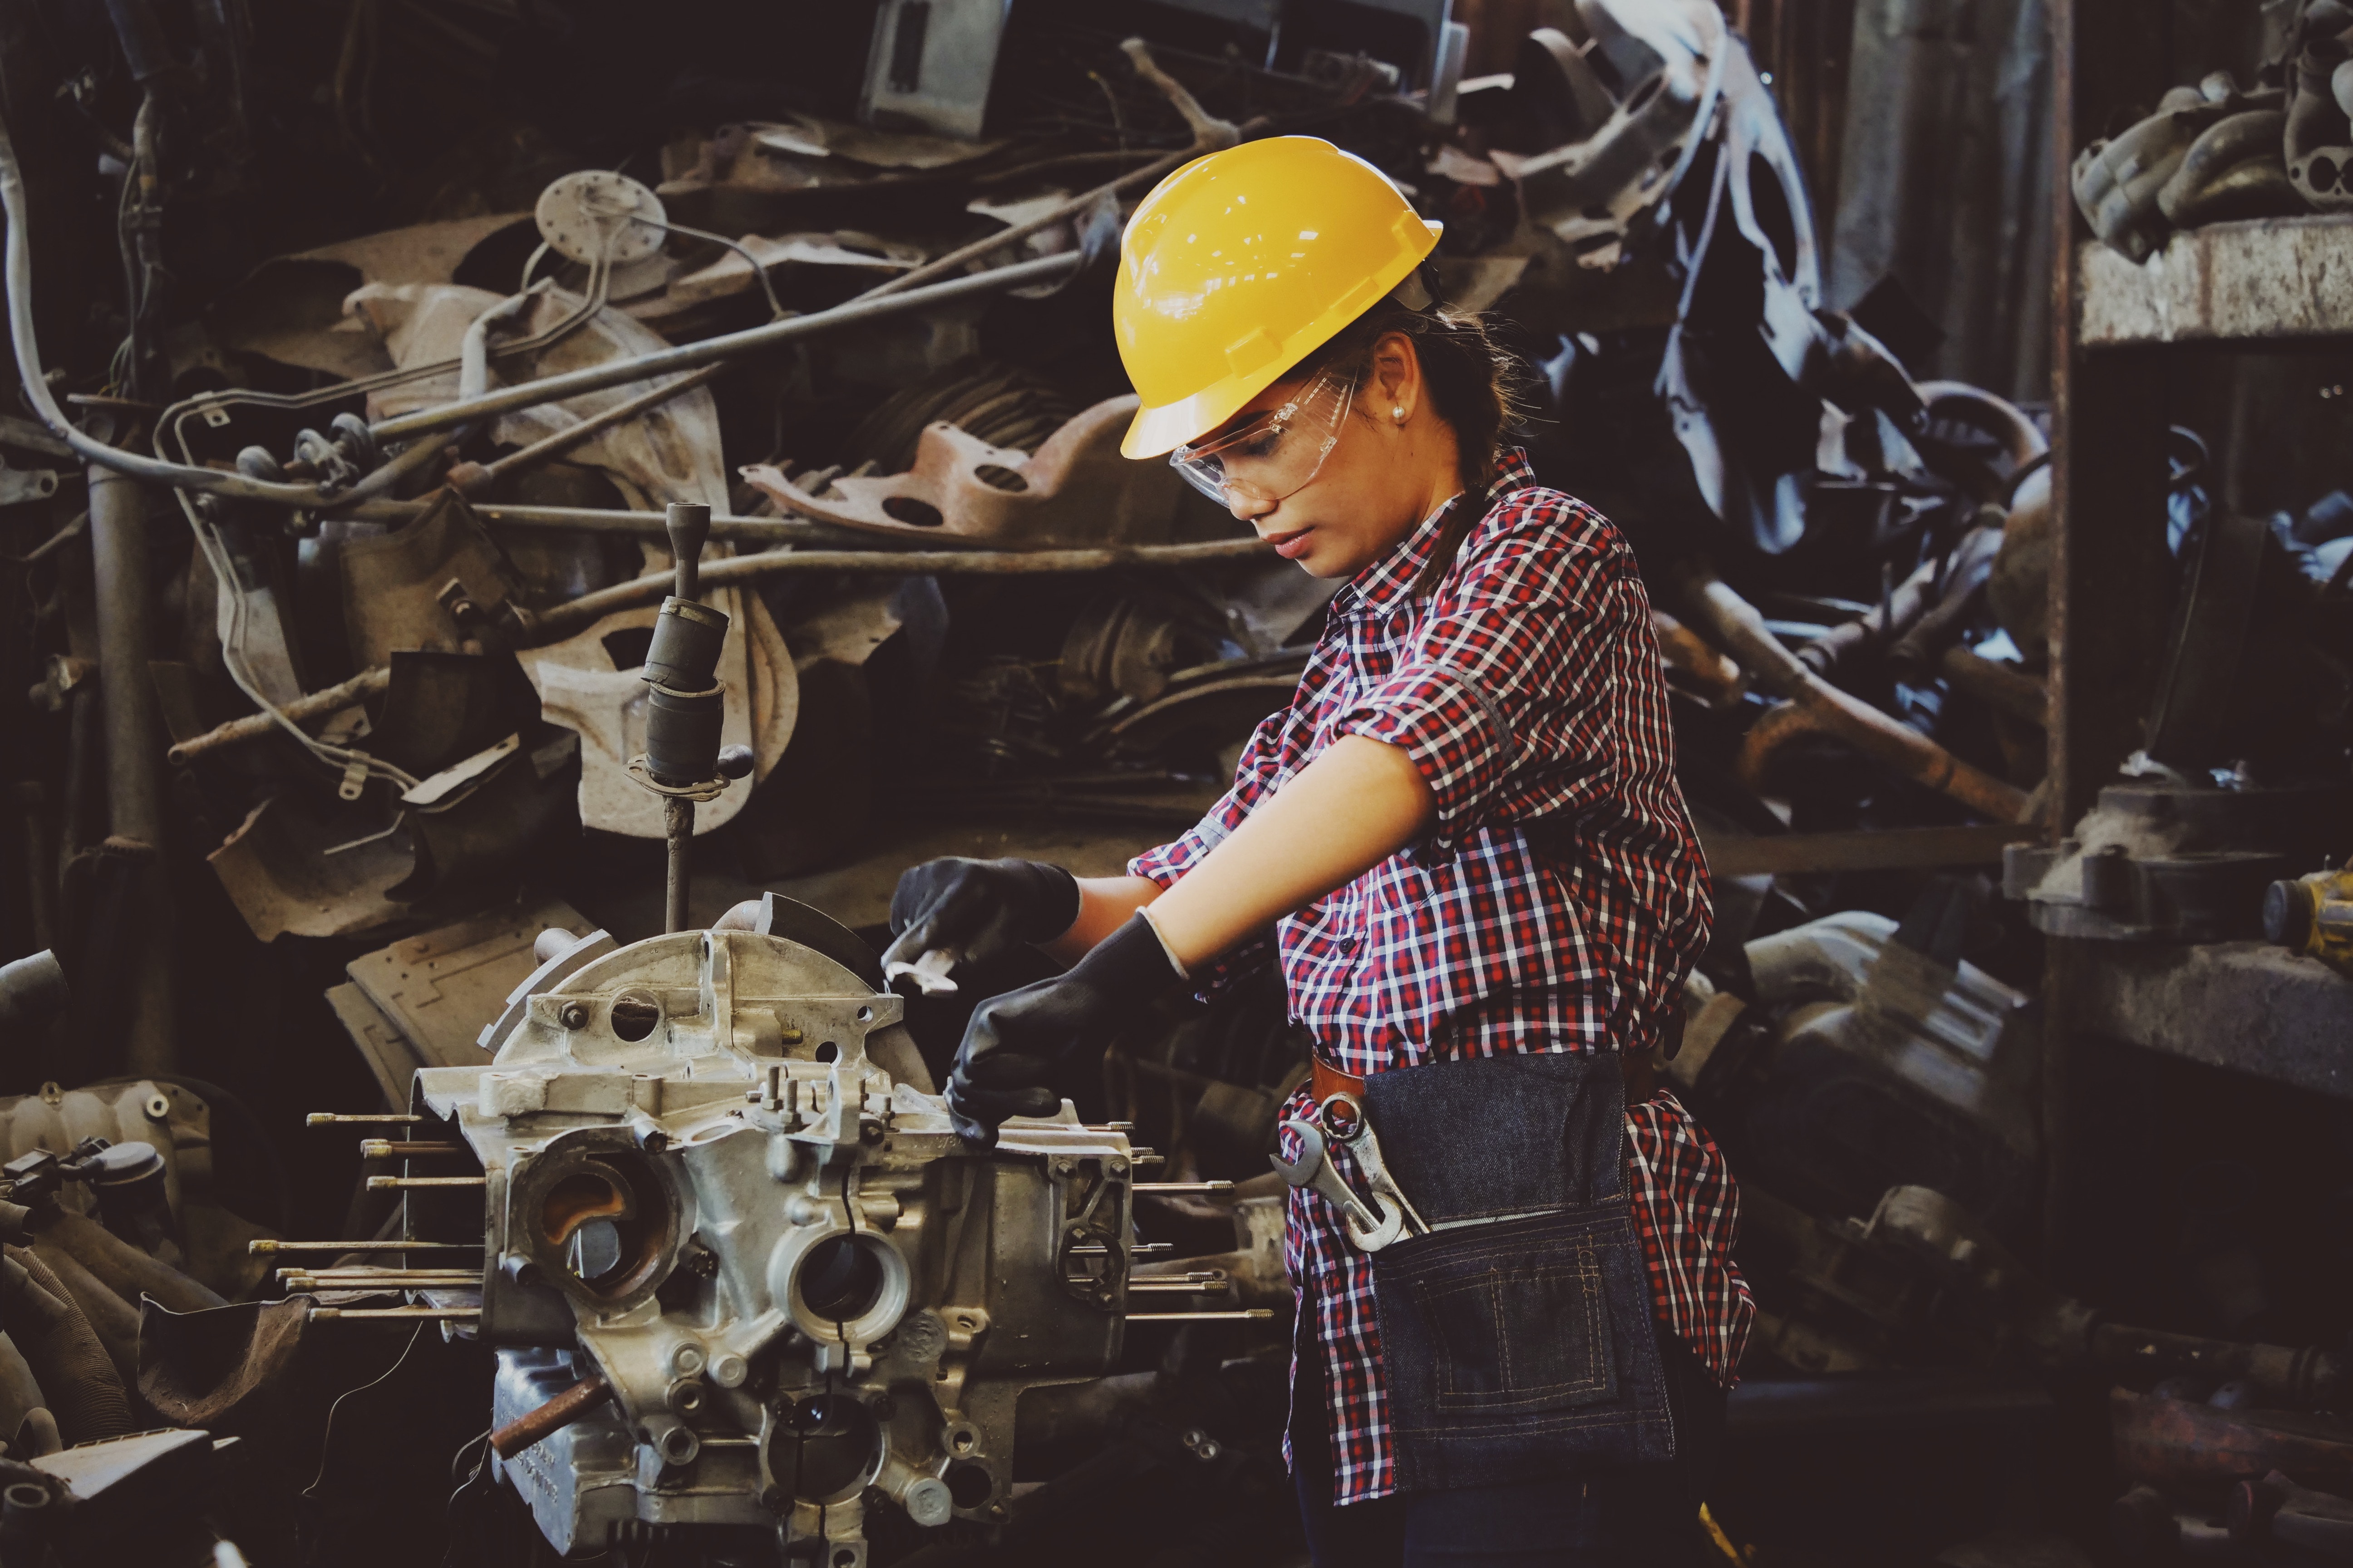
x: 1462, y: 706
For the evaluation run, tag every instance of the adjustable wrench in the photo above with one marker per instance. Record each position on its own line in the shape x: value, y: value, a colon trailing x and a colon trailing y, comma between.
x: 1365, y: 1148
x: 1368, y: 1230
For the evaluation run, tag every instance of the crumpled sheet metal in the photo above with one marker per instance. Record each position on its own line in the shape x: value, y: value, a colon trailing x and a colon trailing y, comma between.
x: 670, y: 453
x: 392, y: 583
x: 291, y: 309
x: 1590, y: 193
x: 1076, y: 490
x: 276, y: 870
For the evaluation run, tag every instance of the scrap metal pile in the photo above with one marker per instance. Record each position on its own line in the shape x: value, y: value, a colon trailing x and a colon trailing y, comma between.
x: 357, y: 535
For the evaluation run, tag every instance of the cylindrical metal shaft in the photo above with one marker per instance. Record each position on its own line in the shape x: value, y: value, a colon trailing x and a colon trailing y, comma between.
x: 395, y: 1183
x: 394, y: 1149
x: 335, y: 1117
x: 260, y: 1248
x: 558, y: 1412
x: 711, y: 351
x: 134, y: 785
x: 678, y: 831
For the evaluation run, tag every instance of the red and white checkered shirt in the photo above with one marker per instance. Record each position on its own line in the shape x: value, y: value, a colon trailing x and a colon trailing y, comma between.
x: 1527, y: 686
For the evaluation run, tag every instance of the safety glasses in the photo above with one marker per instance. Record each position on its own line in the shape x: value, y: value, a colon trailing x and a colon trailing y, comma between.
x: 1273, y: 454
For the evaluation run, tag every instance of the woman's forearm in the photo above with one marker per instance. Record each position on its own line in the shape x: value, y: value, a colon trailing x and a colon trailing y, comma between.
x: 1355, y: 805
x: 1104, y: 905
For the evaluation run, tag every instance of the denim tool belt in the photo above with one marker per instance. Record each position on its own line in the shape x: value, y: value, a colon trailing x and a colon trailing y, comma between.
x: 1515, y: 1318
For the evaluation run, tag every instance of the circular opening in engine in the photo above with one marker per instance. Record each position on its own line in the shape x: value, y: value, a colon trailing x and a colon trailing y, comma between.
x: 603, y: 1223
x: 634, y: 1013
x: 826, y: 1446
x: 970, y: 1485
x: 839, y: 1280
x: 829, y: 1052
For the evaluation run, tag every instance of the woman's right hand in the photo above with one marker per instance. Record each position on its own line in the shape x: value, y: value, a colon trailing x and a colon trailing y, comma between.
x: 980, y: 910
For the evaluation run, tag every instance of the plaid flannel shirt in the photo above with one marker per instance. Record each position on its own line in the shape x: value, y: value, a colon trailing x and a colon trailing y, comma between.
x: 1527, y: 686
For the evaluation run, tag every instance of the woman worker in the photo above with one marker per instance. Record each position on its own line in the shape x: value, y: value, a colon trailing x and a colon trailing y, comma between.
x: 1465, y: 843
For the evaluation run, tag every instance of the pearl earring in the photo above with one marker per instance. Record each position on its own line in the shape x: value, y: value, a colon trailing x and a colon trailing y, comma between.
x: 1397, y: 413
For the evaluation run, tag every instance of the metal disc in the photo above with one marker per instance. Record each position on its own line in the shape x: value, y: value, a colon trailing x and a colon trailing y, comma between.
x: 582, y: 213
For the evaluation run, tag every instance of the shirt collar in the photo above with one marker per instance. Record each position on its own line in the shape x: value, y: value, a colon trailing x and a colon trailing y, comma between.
x: 1380, y: 587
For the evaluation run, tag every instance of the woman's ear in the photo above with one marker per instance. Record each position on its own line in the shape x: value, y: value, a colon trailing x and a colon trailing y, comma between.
x: 1394, y: 387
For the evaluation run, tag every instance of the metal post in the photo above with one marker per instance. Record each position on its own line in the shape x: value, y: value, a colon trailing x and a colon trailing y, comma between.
x: 678, y: 832
x: 134, y: 793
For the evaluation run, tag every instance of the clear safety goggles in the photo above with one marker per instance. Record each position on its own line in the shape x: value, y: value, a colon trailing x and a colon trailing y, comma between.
x: 1273, y: 454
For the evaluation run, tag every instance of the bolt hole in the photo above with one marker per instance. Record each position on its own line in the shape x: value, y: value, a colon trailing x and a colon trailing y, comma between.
x: 961, y: 1442
x: 970, y: 1485
x: 908, y: 510
x: 845, y: 1560
x: 634, y: 1015
x: 866, y: 1015
x: 829, y: 1052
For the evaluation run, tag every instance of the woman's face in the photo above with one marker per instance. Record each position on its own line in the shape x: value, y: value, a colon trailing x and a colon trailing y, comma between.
x: 1394, y: 461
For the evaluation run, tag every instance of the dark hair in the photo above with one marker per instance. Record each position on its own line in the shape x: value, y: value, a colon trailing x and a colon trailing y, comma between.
x: 1477, y: 385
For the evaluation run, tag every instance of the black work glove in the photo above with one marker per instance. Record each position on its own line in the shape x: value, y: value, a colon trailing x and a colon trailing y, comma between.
x: 979, y: 909
x: 1024, y: 1047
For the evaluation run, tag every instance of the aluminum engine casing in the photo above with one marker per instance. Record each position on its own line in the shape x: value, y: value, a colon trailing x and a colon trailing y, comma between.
x: 810, y: 1296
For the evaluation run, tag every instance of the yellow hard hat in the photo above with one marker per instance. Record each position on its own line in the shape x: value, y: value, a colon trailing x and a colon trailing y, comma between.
x: 1238, y: 265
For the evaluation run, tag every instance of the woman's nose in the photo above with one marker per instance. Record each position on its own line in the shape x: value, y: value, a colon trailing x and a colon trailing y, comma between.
x: 1248, y: 508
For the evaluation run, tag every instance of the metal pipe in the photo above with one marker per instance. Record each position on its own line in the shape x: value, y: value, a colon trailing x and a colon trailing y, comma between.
x: 556, y: 1414
x: 603, y: 520
x: 260, y: 1248
x: 118, y: 548
x: 1811, y: 705
x: 332, y: 1118
x: 387, y: 1149
x: 552, y: 624
x: 678, y: 835
x: 134, y: 792
x: 397, y: 1184
x: 711, y: 351
x: 473, y: 478
x: 253, y: 726
x: 423, y: 1314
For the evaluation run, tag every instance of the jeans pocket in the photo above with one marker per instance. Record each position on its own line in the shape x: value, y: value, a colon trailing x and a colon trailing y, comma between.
x: 1521, y: 1334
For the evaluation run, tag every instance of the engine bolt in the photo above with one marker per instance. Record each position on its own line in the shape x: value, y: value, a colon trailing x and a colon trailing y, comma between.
x: 1066, y: 1167
x: 687, y: 1359
x: 574, y: 1015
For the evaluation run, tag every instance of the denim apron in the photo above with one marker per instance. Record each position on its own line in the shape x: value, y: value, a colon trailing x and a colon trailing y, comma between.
x: 1516, y: 1335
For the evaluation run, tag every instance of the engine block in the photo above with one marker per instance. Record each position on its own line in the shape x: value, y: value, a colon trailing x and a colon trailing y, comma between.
x: 809, y: 1299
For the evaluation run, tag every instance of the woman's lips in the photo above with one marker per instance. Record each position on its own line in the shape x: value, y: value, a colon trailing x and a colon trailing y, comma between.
x: 1290, y: 546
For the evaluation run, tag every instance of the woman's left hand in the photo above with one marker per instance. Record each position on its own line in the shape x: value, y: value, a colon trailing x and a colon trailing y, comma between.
x: 1023, y: 1049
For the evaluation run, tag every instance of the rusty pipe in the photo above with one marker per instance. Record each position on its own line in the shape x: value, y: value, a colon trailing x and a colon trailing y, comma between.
x: 253, y: 726
x: 563, y: 620
x: 2005, y: 420
x: 1811, y: 705
x: 1875, y: 627
x: 2013, y: 692
x: 475, y: 478
x: 553, y: 1416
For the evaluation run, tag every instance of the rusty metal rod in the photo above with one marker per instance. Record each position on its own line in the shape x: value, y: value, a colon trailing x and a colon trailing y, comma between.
x: 260, y: 1249
x: 2013, y: 692
x: 395, y: 1183
x: 609, y: 519
x: 253, y: 726
x: 726, y: 346
x: 564, y: 620
x: 1811, y: 705
x: 678, y: 836
x: 556, y: 1414
x: 393, y: 1149
x: 473, y: 478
